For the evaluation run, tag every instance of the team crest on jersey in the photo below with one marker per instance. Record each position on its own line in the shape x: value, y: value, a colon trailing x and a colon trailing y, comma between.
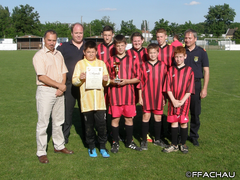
x: 102, y: 52
x: 196, y: 58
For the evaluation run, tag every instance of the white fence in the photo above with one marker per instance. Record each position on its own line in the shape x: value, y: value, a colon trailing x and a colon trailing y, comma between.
x: 233, y: 47
x: 7, y: 44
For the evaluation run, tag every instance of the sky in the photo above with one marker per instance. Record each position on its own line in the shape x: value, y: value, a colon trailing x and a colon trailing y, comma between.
x: 174, y: 11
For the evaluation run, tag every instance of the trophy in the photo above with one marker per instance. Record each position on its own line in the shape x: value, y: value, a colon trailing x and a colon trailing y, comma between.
x: 116, y: 65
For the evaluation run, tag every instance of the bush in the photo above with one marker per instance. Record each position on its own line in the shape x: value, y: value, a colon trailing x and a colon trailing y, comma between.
x: 237, y: 41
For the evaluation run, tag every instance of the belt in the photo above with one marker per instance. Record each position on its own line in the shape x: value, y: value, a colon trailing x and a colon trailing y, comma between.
x: 197, y: 79
x: 48, y: 86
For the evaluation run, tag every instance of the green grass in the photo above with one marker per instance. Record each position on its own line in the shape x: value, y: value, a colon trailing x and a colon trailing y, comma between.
x: 219, y: 132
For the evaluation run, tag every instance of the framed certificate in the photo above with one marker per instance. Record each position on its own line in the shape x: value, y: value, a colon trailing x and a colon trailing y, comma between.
x: 94, y: 77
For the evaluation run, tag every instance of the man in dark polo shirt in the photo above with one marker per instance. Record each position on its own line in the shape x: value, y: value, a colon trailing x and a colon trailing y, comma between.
x: 72, y: 52
x: 197, y: 59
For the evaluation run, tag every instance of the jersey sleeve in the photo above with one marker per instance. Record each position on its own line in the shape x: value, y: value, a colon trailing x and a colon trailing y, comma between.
x: 167, y: 83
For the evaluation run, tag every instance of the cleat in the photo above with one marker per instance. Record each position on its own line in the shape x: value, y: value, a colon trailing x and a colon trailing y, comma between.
x: 144, y: 145
x: 149, y: 139
x: 133, y: 146
x: 170, y: 148
x: 92, y: 152
x: 115, y: 147
x: 159, y: 143
x: 184, y: 149
x: 104, y: 153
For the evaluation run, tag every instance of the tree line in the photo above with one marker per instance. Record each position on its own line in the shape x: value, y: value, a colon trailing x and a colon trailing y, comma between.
x: 24, y: 21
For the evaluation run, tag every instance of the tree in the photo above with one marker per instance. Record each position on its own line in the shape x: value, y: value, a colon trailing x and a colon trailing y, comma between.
x: 95, y: 27
x: 236, y: 34
x: 106, y: 21
x: 174, y: 28
x: 144, y: 25
x: 62, y: 30
x: 5, y: 22
x: 25, y: 21
x: 219, y: 18
x: 127, y: 28
x: 235, y: 25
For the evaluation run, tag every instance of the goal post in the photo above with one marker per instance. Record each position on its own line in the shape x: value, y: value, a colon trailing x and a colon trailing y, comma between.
x: 217, y: 43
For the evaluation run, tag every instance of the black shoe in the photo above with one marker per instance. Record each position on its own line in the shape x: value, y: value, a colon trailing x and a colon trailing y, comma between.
x: 132, y: 145
x: 159, y: 143
x: 144, y: 145
x: 115, y: 147
x: 184, y: 149
x: 195, y: 142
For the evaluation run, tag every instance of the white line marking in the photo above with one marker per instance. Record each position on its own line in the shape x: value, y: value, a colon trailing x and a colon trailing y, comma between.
x: 225, y: 93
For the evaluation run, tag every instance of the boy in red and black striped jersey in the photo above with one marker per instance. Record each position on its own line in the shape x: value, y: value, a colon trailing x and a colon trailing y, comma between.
x: 121, y: 94
x: 106, y: 49
x: 151, y: 97
x: 138, y: 52
x: 179, y: 85
x: 166, y: 52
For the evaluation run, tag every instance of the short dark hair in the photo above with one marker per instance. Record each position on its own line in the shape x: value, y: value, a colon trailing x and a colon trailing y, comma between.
x: 90, y: 44
x: 153, y: 46
x: 119, y: 38
x: 107, y: 28
x: 136, y: 34
x: 176, y: 36
x: 191, y: 31
x: 49, y: 31
x: 73, y: 25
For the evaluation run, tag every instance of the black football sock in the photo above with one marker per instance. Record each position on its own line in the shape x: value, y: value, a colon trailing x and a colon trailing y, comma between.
x: 129, y: 133
x: 157, y: 129
x: 174, y: 135
x: 145, y: 128
x: 115, y: 133
x: 184, y: 135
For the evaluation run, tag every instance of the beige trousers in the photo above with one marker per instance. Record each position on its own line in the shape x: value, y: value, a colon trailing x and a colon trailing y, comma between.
x: 49, y: 105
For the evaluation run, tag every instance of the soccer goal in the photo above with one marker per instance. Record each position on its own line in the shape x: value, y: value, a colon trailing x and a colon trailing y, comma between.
x: 217, y: 43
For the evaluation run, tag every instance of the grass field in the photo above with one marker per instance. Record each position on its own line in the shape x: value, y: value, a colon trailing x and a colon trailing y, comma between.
x: 219, y: 149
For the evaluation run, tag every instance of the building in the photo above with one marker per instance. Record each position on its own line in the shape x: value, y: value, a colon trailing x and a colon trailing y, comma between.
x: 29, y: 42
x: 230, y: 33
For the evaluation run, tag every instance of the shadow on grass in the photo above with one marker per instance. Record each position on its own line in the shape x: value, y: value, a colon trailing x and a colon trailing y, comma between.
x: 78, y: 124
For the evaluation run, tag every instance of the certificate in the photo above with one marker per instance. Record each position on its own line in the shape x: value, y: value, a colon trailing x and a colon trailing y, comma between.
x: 94, y: 77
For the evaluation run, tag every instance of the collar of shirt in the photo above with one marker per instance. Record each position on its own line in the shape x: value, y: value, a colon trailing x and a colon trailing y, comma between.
x: 137, y: 50
x: 91, y: 63
x: 196, y: 47
x: 163, y: 46
x: 108, y: 45
x: 46, y: 50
